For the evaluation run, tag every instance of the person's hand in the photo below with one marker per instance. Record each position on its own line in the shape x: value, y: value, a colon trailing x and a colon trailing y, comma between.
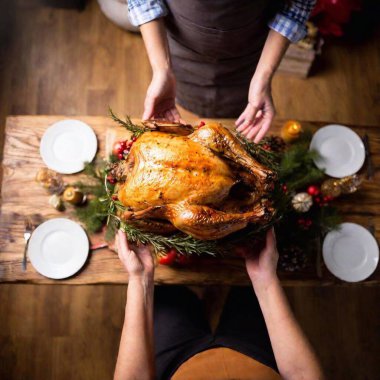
x: 160, y: 97
x: 137, y: 260
x: 261, y: 267
x: 259, y: 113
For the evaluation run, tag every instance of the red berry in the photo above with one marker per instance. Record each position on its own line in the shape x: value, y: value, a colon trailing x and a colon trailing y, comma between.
x: 169, y: 258
x: 266, y: 147
x: 134, y: 138
x: 120, y: 156
x: 111, y: 180
x: 118, y: 147
x: 284, y: 188
x: 114, y: 197
x: 328, y: 198
x: 313, y: 190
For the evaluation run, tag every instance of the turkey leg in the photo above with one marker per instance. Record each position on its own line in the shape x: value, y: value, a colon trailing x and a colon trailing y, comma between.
x: 222, y: 141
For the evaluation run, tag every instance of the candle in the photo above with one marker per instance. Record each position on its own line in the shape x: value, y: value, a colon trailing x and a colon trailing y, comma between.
x: 291, y: 130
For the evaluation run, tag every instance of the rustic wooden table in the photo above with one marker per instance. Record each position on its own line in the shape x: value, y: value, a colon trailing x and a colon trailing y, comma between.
x: 22, y: 196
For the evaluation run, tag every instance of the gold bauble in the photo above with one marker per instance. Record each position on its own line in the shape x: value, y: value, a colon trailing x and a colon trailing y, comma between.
x: 350, y: 184
x: 73, y: 195
x: 331, y: 188
x: 50, y: 180
x: 302, y: 202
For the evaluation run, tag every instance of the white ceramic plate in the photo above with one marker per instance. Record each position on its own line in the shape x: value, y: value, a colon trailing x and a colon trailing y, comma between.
x: 67, y: 145
x: 58, y: 248
x: 341, y: 150
x: 351, y: 253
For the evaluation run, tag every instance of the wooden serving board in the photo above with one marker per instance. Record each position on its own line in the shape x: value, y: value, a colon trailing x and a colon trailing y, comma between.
x: 22, y: 196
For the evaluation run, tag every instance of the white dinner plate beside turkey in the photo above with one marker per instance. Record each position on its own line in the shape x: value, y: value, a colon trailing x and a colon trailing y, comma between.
x: 341, y: 150
x: 67, y: 145
x: 351, y: 252
x: 58, y: 248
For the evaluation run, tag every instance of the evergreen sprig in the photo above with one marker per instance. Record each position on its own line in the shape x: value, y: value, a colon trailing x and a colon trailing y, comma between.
x: 136, y: 130
x: 297, y: 168
x: 266, y: 157
x: 184, y: 244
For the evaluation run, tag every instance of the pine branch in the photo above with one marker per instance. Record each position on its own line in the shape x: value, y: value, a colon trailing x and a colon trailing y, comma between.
x: 184, y: 244
x: 127, y: 124
x: 265, y: 157
x: 92, y: 215
x: 297, y: 168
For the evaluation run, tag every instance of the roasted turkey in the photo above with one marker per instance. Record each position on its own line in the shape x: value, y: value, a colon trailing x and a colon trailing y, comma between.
x: 203, y: 183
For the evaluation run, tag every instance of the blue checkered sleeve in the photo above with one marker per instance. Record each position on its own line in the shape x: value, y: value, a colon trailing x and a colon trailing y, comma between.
x: 142, y: 11
x: 291, y: 20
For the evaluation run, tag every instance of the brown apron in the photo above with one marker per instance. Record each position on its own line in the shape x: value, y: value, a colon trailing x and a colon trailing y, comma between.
x: 215, y: 47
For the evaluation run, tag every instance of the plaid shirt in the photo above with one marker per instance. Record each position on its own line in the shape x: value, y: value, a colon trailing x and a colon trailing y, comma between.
x: 289, y: 22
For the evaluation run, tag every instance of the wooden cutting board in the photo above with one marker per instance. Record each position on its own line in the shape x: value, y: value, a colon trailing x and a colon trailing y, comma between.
x: 22, y: 196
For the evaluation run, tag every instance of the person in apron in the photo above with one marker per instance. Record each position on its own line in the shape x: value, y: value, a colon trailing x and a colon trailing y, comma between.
x: 217, y: 58
x: 165, y: 335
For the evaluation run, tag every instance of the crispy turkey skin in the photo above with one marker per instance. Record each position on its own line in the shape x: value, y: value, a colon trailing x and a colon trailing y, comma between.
x: 204, y: 184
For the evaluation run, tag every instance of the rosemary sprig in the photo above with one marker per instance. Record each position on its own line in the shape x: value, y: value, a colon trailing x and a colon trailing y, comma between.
x: 137, y: 130
x: 265, y: 157
x: 184, y: 244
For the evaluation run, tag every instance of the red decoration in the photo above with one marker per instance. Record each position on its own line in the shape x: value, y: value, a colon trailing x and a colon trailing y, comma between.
x: 201, y: 124
x: 305, y: 223
x: 111, y: 179
x: 284, y: 188
x: 118, y: 147
x: 313, y: 190
x: 267, y: 147
x: 331, y: 15
x: 169, y: 258
x: 172, y: 257
x: 114, y: 197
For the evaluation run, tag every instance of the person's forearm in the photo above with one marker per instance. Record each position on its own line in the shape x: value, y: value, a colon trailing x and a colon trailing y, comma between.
x: 136, y: 359
x: 274, y: 49
x: 156, y: 44
x: 294, y: 355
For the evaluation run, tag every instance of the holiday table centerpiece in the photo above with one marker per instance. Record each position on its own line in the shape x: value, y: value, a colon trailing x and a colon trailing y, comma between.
x: 205, y: 191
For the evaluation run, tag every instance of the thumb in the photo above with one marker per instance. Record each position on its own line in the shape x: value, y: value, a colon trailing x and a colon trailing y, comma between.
x: 122, y: 243
x: 270, y: 243
x: 148, y: 109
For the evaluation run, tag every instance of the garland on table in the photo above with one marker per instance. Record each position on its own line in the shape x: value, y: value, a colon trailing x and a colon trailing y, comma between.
x: 296, y: 171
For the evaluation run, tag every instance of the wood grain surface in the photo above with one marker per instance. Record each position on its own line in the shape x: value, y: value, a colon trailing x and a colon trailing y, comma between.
x: 56, y: 62
x: 22, y: 196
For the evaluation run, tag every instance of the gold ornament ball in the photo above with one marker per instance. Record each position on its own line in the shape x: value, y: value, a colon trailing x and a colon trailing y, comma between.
x: 351, y: 183
x: 50, y: 180
x: 331, y: 188
x: 302, y: 202
x: 73, y: 195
